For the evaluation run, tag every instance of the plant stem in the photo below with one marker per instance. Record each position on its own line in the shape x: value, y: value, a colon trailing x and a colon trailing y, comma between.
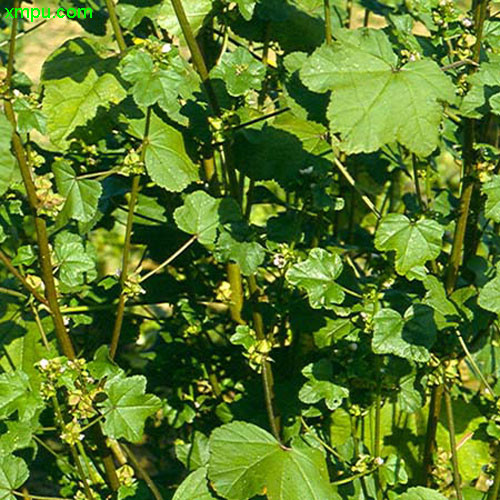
x: 40, y: 225
x: 366, y: 18
x: 343, y: 170
x: 326, y: 446
x: 237, y: 297
x: 453, y: 443
x: 233, y: 270
x: 468, y: 181
x: 8, y: 264
x: 166, y: 262
x: 35, y: 497
x: 377, y: 449
x: 430, y: 438
x: 201, y: 68
x: 74, y: 454
x: 12, y: 293
x: 349, y: 13
x: 261, y: 118
x: 494, y: 490
x: 142, y: 473
x: 350, y: 479
x: 267, y: 374
x: 416, y: 181
x: 25, y: 32
x: 134, y: 193
x: 106, y: 457
x: 120, y: 40
x: 53, y: 453
x: 328, y: 22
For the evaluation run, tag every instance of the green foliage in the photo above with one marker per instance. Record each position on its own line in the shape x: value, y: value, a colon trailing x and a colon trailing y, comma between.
x: 127, y: 407
x: 77, y: 83
x: 13, y: 474
x: 81, y: 196
x: 194, y: 486
x: 166, y: 160
x: 375, y: 100
x: 246, y: 460
x: 199, y: 216
x: 408, y: 337
x: 316, y: 275
x: 7, y: 162
x: 415, y: 243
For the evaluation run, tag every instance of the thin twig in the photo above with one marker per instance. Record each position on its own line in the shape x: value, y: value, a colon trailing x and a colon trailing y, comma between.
x: 343, y: 170
x: 142, y: 472
x: 23, y: 33
x: 36, y: 497
x: 474, y: 365
x: 458, y: 64
x: 134, y: 193
x: 453, y: 443
x: 12, y: 269
x: 166, y: 262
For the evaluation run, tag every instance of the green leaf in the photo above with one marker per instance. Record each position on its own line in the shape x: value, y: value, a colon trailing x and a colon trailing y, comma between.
x: 199, y: 216
x: 195, y: 454
x: 151, y: 84
x: 393, y: 471
x: 409, y: 337
x: 196, y: 12
x: 72, y: 259
x: 374, y: 101
x: 246, y: 8
x: 195, y: 486
x: 167, y: 162
x: 28, y: 117
x: 82, y: 195
x: 483, y: 89
x: 445, y: 312
x: 7, y: 160
x: 340, y: 427
x: 409, y: 398
x: 492, y: 191
x: 320, y: 387
x: 249, y: 255
x: 420, y: 493
x: 317, y: 276
x: 13, y: 474
x: 333, y: 331
x: 17, y: 395
x: 77, y: 82
x: 415, y: 243
x: 131, y: 15
x: 489, y: 295
x: 23, y: 352
x: 102, y: 365
x: 17, y: 437
x: 240, y: 71
x: 127, y: 407
x: 246, y: 461
x: 25, y: 256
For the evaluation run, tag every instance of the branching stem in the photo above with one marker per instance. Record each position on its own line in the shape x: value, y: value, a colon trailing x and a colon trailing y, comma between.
x: 40, y: 224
